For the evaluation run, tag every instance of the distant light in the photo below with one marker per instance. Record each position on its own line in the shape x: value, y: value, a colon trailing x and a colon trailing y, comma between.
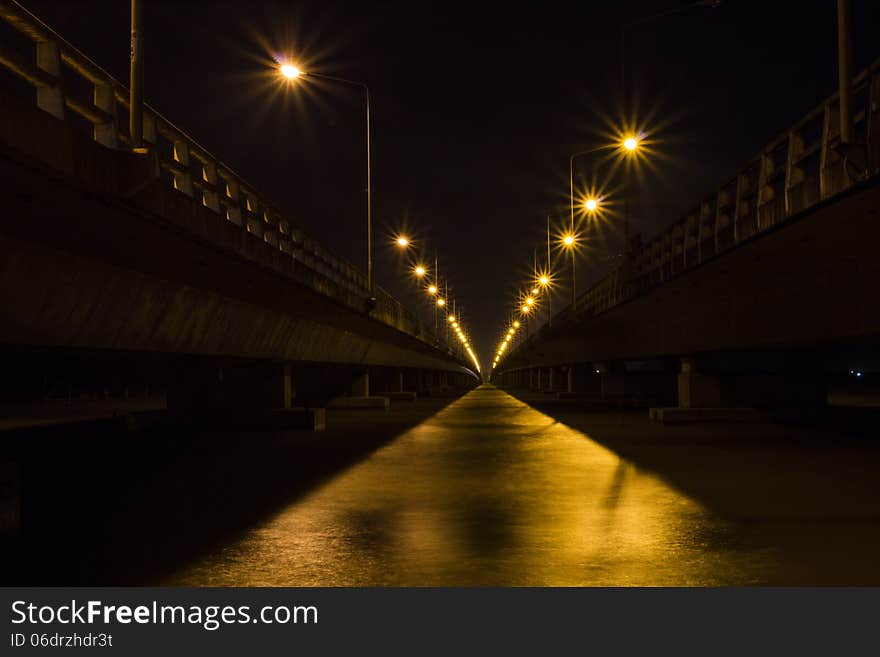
x: 529, y: 301
x: 402, y: 241
x: 544, y: 280
x: 510, y: 332
x: 597, y: 371
x: 290, y: 71
x: 535, y: 290
x: 631, y: 143
x: 591, y: 204
x: 432, y: 290
x: 516, y: 324
x: 568, y: 240
x: 420, y: 271
x: 525, y: 309
x: 441, y: 302
x: 451, y: 318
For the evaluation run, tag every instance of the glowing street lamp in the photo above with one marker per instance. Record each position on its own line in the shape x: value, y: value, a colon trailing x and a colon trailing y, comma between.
x: 544, y: 281
x: 402, y: 241
x: 591, y: 204
x: 432, y: 290
x: 441, y: 302
x: 290, y: 72
x: 419, y: 271
x: 631, y: 143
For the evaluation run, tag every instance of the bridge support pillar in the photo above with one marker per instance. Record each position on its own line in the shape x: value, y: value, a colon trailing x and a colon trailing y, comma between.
x: 551, y: 378
x: 697, y: 390
x: 575, y: 379
x: 360, y: 387
x: 612, y: 382
x: 242, y: 393
x: 360, y: 395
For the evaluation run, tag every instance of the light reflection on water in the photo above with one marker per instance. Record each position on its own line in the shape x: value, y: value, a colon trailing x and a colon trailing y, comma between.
x: 487, y: 492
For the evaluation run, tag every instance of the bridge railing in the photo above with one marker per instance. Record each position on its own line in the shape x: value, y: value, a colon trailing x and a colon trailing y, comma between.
x: 795, y: 171
x: 72, y: 88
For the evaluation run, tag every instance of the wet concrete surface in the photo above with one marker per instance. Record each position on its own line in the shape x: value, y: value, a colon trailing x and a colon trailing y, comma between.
x: 485, y: 489
x: 495, y: 491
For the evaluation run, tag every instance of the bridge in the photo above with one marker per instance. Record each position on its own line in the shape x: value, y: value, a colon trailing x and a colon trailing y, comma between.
x: 695, y: 416
x: 765, y: 294
x: 166, y: 260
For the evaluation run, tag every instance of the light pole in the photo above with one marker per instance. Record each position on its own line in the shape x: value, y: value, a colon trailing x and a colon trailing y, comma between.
x: 291, y: 72
x: 136, y: 80
x: 571, y: 159
x: 545, y: 279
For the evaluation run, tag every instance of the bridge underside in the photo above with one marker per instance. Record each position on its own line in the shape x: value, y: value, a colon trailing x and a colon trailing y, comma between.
x: 812, y: 281
x: 786, y: 319
x: 153, y: 271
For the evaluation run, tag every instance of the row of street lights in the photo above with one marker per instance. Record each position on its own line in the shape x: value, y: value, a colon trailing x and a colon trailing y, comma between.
x: 542, y: 280
x: 438, y: 299
x: 290, y: 72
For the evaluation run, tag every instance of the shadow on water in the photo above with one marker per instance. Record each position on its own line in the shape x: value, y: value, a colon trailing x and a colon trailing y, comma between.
x: 102, y: 504
x: 806, y: 492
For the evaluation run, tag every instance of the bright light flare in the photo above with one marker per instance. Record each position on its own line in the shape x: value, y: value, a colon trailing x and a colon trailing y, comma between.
x: 432, y: 290
x: 568, y: 240
x: 289, y: 71
x: 631, y: 143
x: 544, y: 280
x: 591, y: 204
x: 419, y: 270
x: 402, y: 241
x: 441, y: 302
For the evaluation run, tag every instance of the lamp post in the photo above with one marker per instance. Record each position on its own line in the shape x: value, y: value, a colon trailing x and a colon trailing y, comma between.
x: 291, y: 72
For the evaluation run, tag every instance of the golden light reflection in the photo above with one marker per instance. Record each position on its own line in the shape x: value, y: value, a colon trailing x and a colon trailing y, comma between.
x: 450, y: 502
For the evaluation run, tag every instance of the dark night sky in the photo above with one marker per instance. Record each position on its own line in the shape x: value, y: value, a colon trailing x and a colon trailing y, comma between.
x: 476, y: 109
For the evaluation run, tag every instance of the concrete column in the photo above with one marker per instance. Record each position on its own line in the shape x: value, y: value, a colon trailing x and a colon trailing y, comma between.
x: 551, y: 378
x: 697, y: 390
x: 360, y: 387
x: 612, y: 384
x: 399, y: 380
x: 531, y: 378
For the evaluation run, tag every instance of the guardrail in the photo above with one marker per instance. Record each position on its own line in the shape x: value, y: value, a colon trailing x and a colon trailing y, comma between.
x: 74, y: 89
x: 795, y: 171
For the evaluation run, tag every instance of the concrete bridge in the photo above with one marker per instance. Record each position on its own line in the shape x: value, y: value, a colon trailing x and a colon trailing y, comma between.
x: 765, y: 293
x: 166, y: 260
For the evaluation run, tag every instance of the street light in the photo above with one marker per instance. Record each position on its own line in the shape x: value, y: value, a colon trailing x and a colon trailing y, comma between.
x: 290, y: 72
x: 631, y: 143
x: 402, y: 241
x: 591, y: 205
x: 419, y: 271
x: 432, y: 290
